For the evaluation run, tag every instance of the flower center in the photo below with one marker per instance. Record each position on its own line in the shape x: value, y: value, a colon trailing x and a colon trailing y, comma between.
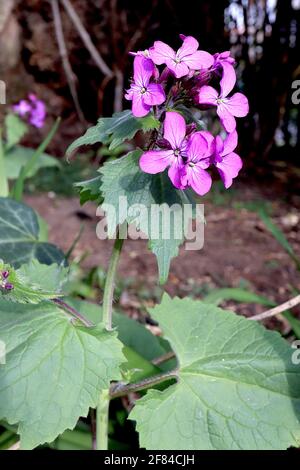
x: 177, y: 152
x: 143, y: 90
x: 191, y: 164
x: 177, y: 60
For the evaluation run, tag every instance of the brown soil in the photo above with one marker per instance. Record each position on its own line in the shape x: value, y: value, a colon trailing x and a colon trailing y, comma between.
x: 237, y: 249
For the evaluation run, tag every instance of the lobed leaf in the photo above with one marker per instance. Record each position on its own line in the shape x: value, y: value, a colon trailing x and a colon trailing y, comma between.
x: 115, y: 130
x: 237, y: 386
x: 54, y: 370
x: 141, y: 192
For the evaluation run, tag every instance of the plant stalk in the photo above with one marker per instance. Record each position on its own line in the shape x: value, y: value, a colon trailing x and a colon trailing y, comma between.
x: 110, y: 282
x: 4, y: 191
x: 102, y: 417
x: 102, y: 412
x: 121, y: 389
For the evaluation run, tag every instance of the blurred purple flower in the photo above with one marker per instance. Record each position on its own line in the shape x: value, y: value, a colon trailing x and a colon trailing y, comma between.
x: 22, y: 108
x: 34, y: 109
x: 144, y: 94
x: 227, y: 108
x: 156, y: 161
x: 185, y: 60
x: 227, y: 162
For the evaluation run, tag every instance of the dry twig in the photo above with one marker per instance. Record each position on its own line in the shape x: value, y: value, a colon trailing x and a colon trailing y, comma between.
x: 86, y: 38
x: 279, y: 309
x: 64, y: 57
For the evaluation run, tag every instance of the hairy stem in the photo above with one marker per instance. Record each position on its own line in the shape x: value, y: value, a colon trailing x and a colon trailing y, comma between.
x: 71, y: 310
x: 110, y: 282
x: 102, y: 421
x: 120, y: 390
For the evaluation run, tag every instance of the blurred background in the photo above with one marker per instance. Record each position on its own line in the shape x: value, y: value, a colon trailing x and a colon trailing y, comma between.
x: 86, y: 79
x: 262, y: 34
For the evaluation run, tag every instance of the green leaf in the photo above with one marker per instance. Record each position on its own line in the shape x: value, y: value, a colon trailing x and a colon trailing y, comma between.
x: 239, y: 295
x: 19, y: 156
x: 34, y: 282
x: 15, y: 130
x: 124, y: 179
x: 90, y: 190
x: 54, y: 370
x: 122, y: 126
x: 279, y: 236
x: 141, y: 346
x: 237, y: 387
x: 19, y: 236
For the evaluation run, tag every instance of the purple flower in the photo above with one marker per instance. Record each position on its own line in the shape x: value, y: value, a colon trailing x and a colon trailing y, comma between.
x: 198, y: 160
x: 185, y: 60
x: 227, y: 108
x: 5, y: 274
x: 227, y: 162
x: 144, y: 94
x: 156, y: 161
x: 187, y: 156
x: 34, y: 109
x: 22, y: 108
x: 38, y: 112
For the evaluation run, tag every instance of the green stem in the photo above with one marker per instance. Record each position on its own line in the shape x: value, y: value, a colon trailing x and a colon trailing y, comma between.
x: 18, y: 189
x: 102, y: 421
x: 102, y: 412
x: 4, y: 191
x: 110, y: 283
x: 120, y: 390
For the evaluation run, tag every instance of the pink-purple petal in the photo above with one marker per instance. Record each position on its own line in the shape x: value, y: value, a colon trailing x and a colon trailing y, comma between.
x: 238, y: 105
x: 200, y: 180
x: 199, y: 60
x: 228, y: 80
x: 229, y: 168
x: 143, y: 70
x: 175, y: 173
x: 210, y: 142
x: 230, y: 144
x: 156, y: 161
x: 174, y: 129
x: 139, y: 108
x: 208, y: 95
x: 155, y: 94
x: 197, y: 148
x: 189, y: 46
x: 227, y: 119
x: 161, y: 52
x: 179, y: 69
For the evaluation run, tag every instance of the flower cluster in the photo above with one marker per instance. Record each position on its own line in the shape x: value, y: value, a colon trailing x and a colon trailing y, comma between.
x: 32, y: 109
x: 4, y: 283
x: 185, y: 83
